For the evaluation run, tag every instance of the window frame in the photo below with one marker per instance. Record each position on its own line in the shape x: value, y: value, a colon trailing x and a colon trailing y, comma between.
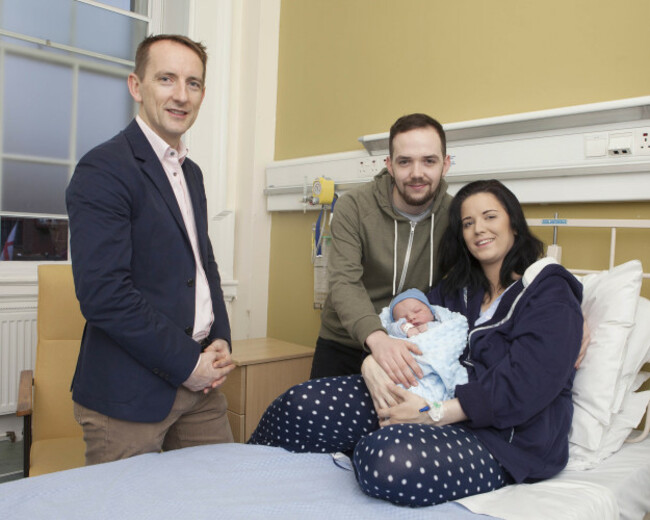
x: 76, y: 65
x: 15, y: 273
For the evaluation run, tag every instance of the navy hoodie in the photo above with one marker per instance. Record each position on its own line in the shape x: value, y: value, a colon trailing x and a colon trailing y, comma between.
x: 520, y: 365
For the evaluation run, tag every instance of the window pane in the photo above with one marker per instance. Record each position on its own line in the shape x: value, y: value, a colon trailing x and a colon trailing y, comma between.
x: 76, y: 24
x: 33, y: 239
x: 107, y: 32
x: 47, y: 19
x: 19, y: 180
x: 101, y: 98
x: 37, y: 107
x: 135, y: 6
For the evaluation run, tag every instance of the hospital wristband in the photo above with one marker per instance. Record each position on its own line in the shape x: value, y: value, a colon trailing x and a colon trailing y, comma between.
x: 407, y: 326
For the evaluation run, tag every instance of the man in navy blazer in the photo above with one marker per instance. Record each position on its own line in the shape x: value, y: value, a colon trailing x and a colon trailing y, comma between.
x: 156, y: 345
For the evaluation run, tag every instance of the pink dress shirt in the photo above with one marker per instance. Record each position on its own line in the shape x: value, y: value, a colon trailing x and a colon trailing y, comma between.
x: 171, y: 161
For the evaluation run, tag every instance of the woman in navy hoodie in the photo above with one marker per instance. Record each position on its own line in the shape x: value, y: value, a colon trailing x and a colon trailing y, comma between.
x: 509, y: 423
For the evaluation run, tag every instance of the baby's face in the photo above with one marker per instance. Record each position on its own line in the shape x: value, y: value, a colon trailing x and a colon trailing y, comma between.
x: 413, y: 310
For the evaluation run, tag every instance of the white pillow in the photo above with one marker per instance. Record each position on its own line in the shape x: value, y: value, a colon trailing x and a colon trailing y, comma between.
x: 586, y: 431
x: 609, y: 306
x: 634, y: 406
x: 638, y: 350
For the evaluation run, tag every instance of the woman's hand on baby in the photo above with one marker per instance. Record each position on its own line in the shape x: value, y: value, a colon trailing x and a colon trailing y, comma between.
x: 410, y: 409
x: 406, y: 410
x: 395, y: 356
x: 382, y: 389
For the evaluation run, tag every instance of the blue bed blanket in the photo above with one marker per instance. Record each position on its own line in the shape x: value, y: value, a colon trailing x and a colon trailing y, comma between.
x: 224, y: 481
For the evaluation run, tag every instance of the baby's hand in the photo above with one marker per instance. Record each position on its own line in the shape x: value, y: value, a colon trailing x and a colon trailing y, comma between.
x: 413, y: 332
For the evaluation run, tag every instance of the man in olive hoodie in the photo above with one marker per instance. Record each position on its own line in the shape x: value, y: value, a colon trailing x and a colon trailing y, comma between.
x: 385, y: 236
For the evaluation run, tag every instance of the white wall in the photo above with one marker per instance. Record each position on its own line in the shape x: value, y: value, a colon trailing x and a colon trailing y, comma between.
x: 243, y: 110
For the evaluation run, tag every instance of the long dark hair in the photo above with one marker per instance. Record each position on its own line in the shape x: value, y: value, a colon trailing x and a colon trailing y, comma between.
x: 459, y: 268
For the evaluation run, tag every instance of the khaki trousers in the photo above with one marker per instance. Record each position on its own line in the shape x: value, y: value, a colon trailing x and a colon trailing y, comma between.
x: 195, y: 419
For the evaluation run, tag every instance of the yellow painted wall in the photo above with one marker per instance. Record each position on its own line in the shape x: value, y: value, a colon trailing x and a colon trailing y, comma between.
x: 351, y: 67
x: 291, y: 316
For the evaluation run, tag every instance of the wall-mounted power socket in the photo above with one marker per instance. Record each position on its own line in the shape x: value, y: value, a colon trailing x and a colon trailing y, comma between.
x: 641, y: 141
x: 620, y: 143
x: 371, y: 166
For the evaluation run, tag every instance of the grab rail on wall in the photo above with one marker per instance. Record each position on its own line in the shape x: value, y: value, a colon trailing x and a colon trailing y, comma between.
x: 613, y: 224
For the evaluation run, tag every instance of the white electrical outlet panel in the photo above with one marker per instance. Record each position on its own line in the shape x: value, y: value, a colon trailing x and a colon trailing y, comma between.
x: 621, y: 143
x: 596, y: 144
x: 641, y: 141
x: 371, y: 166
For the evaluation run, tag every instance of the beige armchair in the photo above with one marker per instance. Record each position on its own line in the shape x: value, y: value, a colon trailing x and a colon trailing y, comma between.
x: 53, y: 439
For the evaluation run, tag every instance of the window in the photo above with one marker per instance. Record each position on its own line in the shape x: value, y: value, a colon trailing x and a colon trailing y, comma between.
x: 63, y: 65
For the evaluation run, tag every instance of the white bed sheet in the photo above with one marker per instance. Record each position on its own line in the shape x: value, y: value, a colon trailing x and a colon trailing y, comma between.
x: 627, y: 475
x: 618, y: 488
x: 238, y: 481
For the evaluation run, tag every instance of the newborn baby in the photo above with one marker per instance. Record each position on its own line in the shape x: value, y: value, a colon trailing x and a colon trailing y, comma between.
x: 440, y: 334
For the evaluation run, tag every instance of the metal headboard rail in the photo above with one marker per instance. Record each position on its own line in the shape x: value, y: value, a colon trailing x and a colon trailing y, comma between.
x: 614, y: 224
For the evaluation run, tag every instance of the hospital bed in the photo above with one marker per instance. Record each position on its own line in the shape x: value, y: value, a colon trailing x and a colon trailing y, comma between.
x: 234, y: 481
x: 606, y: 479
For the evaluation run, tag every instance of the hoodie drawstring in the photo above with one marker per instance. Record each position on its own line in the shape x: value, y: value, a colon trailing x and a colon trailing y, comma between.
x: 433, y: 220
x: 395, y: 258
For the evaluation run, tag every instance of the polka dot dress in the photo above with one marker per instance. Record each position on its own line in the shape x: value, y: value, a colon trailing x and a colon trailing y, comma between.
x: 407, y: 464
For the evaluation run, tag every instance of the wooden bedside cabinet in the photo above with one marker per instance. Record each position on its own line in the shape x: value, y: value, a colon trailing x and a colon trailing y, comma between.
x: 266, y: 367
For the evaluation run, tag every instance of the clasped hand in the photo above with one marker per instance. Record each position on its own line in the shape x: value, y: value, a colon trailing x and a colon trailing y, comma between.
x: 214, y: 365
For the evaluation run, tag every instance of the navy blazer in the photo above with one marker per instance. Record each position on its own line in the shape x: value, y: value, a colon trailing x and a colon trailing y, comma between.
x: 134, y: 273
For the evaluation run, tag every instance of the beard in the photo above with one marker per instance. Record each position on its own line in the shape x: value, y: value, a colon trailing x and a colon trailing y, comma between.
x: 419, y: 199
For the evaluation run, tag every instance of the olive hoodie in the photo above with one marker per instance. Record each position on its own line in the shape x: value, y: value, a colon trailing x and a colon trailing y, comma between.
x: 377, y: 253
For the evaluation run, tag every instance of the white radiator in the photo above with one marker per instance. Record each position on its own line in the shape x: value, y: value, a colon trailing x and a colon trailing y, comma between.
x: 17, y: 352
